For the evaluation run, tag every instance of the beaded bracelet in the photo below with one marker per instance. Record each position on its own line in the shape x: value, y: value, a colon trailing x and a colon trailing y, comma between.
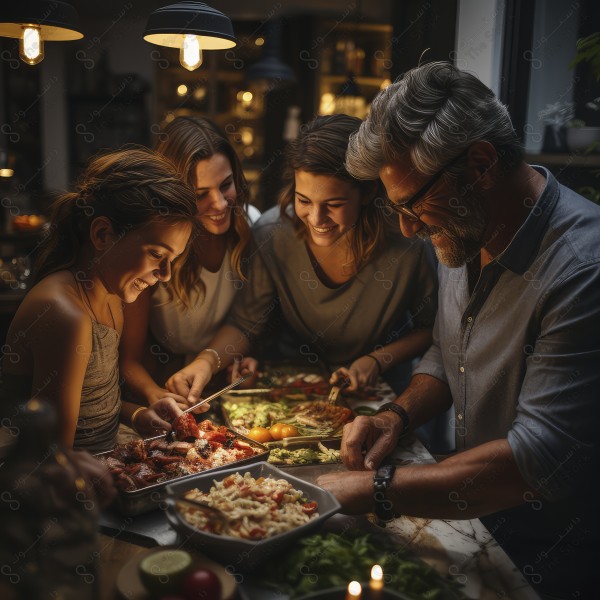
x: 379, y: 368
x: 216, y: 355
x: 134, y: 415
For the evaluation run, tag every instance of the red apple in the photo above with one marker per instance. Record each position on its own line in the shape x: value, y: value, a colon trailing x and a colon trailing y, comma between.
x: 201, y: 584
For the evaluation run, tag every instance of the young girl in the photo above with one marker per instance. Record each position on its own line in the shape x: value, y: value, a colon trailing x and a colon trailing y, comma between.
x: 117, y: 234
x: 179, y: 320
x: 352, y: 291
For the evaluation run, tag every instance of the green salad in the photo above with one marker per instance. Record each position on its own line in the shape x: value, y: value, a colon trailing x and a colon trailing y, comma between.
x: 304, y: 456
x: 327, y: 560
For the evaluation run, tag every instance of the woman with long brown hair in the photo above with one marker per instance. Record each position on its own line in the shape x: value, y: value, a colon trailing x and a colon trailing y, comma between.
x: 170, y: 326
x: 352, y: 291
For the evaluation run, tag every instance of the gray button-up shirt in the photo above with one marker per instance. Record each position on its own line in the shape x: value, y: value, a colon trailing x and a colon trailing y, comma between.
x: 521, y: 356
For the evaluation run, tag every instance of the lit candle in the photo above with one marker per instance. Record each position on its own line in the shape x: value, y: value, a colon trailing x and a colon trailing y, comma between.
x: 376, y: 582
x: 354, y: 591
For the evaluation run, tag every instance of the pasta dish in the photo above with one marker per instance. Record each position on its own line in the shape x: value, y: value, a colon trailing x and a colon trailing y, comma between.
x: 252, y: 508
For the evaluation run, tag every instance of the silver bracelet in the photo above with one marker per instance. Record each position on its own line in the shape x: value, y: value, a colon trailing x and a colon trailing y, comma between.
x: 216, y: 355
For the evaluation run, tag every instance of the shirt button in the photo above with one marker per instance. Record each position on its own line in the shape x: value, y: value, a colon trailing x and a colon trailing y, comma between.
x: 469, y: 319
x: 462, y: 369
x: 459, y: 416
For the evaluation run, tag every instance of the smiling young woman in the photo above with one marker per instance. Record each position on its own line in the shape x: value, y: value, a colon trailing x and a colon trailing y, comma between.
x: 351, y: 290
x: 173, y: 324
x: 115, y: 235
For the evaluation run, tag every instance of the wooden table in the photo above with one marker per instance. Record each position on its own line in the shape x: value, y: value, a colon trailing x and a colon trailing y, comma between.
x: 464, y: 549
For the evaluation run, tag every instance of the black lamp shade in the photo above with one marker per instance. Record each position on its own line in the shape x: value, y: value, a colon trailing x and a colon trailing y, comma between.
x: 168, y: 25
x: 270, y: 66
x: 58, y: 21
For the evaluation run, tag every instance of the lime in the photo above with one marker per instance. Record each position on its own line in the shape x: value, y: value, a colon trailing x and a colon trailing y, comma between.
x: 162, y: 572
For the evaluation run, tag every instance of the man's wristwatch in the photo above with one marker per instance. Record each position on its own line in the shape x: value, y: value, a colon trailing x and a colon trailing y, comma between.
x: 381, y: 482
x: 399, y: 411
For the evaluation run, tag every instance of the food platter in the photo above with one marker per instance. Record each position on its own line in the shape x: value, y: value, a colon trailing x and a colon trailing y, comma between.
x: 285, y: 375
x: 309, y: 413
x: 140, y: 498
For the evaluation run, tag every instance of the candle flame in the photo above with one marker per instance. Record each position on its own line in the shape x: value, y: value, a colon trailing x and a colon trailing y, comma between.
x: 376, y: 573
x: 355, y: 589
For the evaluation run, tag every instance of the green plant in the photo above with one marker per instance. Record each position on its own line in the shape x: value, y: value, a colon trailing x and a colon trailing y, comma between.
x: 588, y: 50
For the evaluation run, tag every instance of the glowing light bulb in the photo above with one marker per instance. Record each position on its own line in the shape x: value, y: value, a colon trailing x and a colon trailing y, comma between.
x: 190, y: 55
x: 354, y: 591
x: 31, y: 46
x: 376, y: 582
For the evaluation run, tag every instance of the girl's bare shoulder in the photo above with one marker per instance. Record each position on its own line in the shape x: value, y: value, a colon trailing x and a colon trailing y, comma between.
x: 54, y: 299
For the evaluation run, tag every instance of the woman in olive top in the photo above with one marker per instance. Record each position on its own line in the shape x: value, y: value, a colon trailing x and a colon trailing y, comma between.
x: 352, y: 291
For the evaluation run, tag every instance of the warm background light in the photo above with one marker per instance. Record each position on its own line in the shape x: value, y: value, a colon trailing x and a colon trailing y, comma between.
x: 354, y: 591
x: 376, y: 582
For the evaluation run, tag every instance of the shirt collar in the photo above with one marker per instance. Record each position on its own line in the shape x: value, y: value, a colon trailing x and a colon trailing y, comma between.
x: 523, y: 248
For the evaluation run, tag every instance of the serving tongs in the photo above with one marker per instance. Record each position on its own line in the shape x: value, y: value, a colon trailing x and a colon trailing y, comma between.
x: 336, y: 389
x: 169, y: 435
x: 215, y: 516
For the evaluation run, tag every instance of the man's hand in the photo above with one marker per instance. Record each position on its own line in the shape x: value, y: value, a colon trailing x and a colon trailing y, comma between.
x: 353, y: 490
x: 368, y: 440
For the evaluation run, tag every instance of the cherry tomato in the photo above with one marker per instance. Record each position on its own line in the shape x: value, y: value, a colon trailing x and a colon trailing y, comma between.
x: 201, y: 584
x: 260, y: 434
x: 275, y: 430
x: 308, y: 508
x: 289, y: 431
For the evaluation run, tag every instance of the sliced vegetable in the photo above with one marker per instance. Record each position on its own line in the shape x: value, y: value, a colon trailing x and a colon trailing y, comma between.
x: 162, y: 572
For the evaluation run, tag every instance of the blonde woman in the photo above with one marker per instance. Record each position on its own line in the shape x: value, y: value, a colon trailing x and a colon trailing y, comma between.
x: 171, y: 325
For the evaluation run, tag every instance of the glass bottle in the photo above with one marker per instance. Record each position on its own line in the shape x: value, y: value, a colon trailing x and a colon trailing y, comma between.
x: 48, y: 520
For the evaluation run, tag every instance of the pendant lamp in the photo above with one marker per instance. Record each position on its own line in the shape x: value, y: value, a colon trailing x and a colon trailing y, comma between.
x: 192, y: 27
x: 271, y: 66
x: 5, y: 167
x: 34, y: 22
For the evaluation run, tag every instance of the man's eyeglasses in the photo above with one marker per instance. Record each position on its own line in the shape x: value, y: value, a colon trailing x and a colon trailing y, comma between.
x: 406, y: 208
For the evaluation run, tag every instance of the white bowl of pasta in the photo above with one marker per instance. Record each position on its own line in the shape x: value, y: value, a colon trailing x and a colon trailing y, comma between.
x: 264, y: 510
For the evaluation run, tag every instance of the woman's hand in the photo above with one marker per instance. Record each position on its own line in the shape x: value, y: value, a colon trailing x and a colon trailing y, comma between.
x: 367, y: 441
x: 157, y: 418
x: 363, y: 372
x: 160, y: 393
x: 239, y: 368
x: 96, y: 474
x: 190, y: 381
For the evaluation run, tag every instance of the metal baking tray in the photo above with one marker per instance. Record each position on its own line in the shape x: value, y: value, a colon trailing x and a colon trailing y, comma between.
x: 151, y: 497
x: 273, y: 375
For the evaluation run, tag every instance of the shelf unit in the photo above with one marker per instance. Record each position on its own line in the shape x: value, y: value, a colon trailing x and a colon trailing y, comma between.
x: 580, y: 172
x: 564, y: 160
x: 355, y: 65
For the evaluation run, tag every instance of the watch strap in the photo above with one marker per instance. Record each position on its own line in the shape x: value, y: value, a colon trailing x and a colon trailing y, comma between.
x: 399, y: 411
x: 382, y: 480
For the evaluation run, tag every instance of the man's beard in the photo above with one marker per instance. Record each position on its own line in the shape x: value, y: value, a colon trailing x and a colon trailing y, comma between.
x: 465, y: 234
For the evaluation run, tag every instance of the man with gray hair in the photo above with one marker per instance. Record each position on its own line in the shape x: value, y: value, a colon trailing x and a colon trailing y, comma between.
x: 516, y: 346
